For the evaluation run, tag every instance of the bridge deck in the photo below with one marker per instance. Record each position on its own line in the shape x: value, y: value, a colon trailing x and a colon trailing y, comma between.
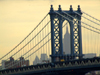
x: 67, y: 67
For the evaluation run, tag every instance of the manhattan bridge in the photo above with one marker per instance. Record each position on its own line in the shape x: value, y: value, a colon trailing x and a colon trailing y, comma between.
x: 65, y: 42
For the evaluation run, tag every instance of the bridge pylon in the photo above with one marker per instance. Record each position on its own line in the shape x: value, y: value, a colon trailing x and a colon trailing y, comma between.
x: 56, y: 32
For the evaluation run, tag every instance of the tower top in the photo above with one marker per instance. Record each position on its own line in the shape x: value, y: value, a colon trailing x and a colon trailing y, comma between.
x: 59, y: 9
x: 79, y: 10
x: 51, y: 9
x: 71, y: 9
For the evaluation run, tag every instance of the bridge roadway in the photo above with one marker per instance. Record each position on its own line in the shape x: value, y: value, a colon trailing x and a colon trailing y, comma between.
x: 72, y: 67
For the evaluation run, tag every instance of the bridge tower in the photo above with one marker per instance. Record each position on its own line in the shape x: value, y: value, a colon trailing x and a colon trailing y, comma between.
x: 56, y: 32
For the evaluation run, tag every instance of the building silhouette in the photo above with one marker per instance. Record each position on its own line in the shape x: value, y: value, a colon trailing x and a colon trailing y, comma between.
x: 66, y: 42
x: 37, y: 60
x: 89, y: 55
x: 14, y: 63
x: 43, y: 59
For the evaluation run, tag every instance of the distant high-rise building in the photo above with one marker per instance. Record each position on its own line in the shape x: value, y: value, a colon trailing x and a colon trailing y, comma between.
x: 89, y: 55
x: 36, y: 60
x: 3, y: 64
x: 11, y: 59
x: 66, y: 42
x: 43, y: 59
x: 14, y: 63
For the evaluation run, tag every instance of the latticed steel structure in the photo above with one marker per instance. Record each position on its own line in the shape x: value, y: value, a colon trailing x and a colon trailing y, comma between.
x: 57, y: 20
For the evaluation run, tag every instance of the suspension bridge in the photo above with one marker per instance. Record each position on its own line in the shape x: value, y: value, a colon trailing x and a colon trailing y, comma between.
x: 64, y: 42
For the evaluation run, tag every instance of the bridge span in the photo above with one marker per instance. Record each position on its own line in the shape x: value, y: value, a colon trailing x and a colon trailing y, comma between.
x: 71, y: 67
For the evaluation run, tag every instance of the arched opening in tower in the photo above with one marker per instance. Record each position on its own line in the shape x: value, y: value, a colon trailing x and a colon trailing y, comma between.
x: 66, y: 37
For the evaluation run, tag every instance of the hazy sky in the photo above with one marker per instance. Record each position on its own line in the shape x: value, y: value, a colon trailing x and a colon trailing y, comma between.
x: 19, y: 17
